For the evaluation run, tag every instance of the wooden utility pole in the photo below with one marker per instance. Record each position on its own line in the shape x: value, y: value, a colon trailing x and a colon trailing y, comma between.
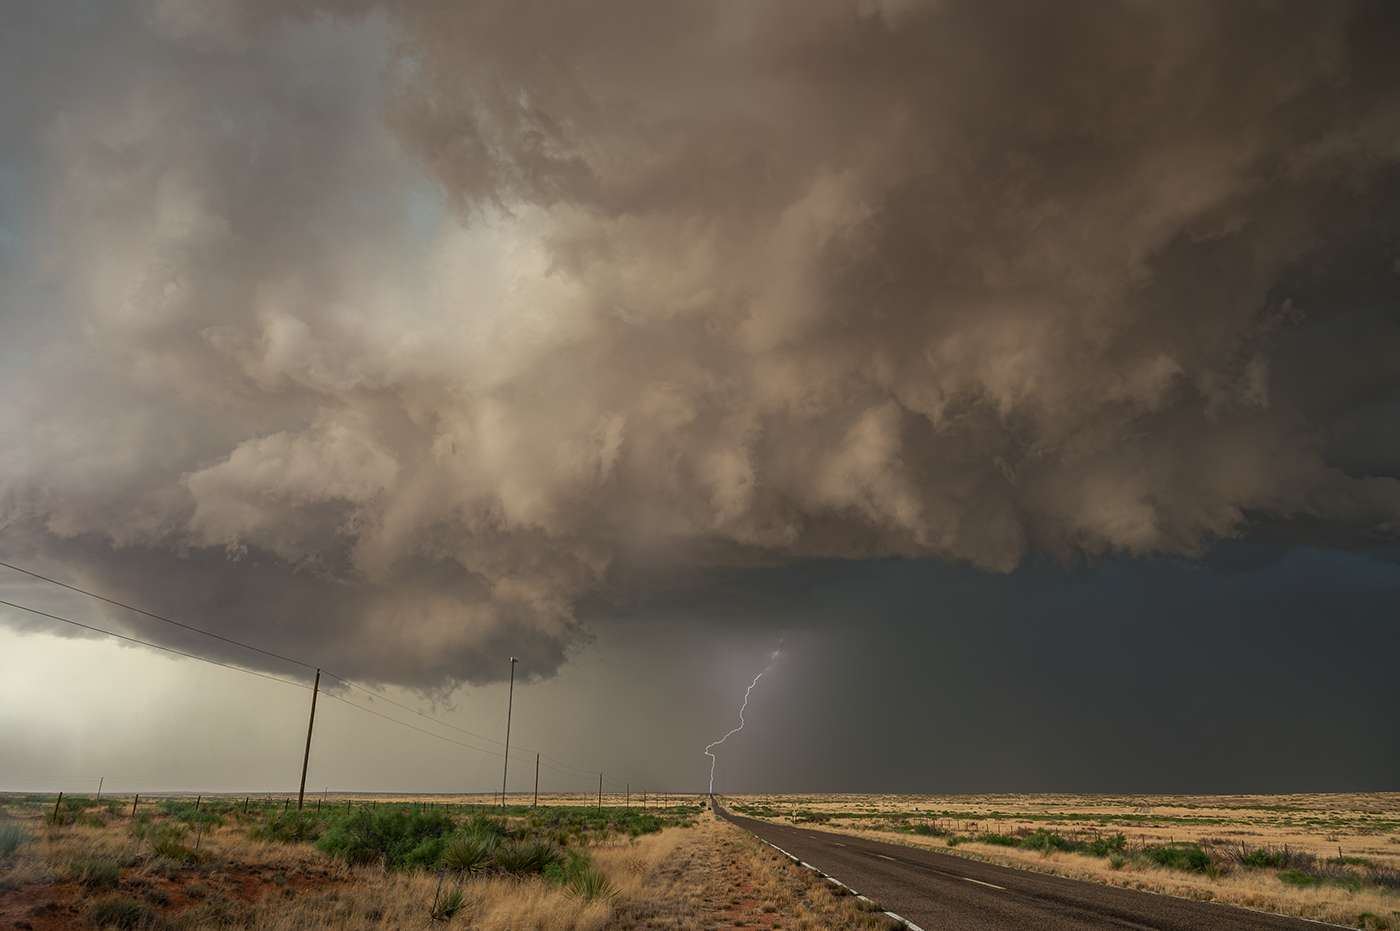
x: 600, y: 791
x: 510, y: 702
x: 315, y: 688
x: 537, y: 782
x: 629, y: 796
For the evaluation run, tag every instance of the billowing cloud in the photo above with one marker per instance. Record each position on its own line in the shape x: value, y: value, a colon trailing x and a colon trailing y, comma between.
x: 398, y: 331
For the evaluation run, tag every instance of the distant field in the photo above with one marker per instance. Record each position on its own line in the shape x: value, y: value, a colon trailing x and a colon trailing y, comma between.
x: 1329, y: 857
x: 1316, y: 822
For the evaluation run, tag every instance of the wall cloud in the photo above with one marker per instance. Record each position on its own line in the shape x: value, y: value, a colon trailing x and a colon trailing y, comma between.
x: 394, y: 332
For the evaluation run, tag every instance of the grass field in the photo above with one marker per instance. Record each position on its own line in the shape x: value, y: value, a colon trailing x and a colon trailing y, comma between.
x: 1333, y: 858
x: 185, y: 863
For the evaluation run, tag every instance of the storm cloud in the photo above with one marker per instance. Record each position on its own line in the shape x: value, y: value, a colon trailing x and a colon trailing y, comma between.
x: 394, y: 333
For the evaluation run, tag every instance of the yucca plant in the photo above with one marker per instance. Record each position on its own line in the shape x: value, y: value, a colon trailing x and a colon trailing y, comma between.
x: 511, y: 858
x: 590, y: 886
x: 449, y: 906
x: 469, y: 853
x: 13, y: 836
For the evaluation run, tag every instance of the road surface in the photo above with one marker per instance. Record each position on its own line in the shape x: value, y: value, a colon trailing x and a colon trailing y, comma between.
x: 939, y: 892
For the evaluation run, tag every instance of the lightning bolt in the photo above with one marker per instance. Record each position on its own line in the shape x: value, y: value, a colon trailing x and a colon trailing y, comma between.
x: 736, y: 730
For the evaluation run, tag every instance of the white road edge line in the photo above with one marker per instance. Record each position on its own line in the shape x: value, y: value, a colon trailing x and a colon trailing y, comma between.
x: 899, y: 918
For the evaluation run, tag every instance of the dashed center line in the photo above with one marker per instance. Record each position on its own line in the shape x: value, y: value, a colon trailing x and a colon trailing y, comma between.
x: 883, y: 857
x: 981, y: 883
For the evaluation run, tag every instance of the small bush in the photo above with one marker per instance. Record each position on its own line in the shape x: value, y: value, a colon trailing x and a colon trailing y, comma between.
x: 97, y: 874
x: 1261, y: 858
x: 1297, y: 878
x: 401, y: 838
x: 168, y: 841
x: 1273, y: 858
x: 527, y: 858
x: 449, y: 906
x: 140, y: 826
x: 468, y: 853
x: 1103, y: 846
x: 566, y: 867
x: 120, y: 912
x: 1000, y: 840
x: 1180, y: 856
x: 13, y: 836
x: 1045, y: 841
x: 290, y: 827
x: 591, y: 886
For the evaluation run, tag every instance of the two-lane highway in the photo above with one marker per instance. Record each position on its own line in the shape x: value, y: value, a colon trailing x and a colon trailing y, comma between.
x: 939, y: 892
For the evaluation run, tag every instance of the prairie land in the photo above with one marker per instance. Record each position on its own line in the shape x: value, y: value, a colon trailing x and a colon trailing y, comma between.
x: 1327, y: 857
x: 379, y: 863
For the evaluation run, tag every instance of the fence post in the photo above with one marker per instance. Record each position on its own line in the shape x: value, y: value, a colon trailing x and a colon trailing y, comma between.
x: 60, y: 802
x: 133, y: 804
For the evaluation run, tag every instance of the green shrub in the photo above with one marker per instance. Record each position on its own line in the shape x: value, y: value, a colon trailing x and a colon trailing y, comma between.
x: 1262, y: 858
x: 1103, y: 846
x: 999, y: 840
x: 488, y: 826
x: 569, y: 865
x: 291, y: 827
x: 400, y: 838
x: 1045, y: 841
x: 1297, y: 878
x: 1179, y: 856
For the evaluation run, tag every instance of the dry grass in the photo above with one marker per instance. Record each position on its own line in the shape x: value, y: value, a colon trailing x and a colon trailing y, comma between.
x: 1361, y: 825
x: 705, y: 878
x: 716, y: 876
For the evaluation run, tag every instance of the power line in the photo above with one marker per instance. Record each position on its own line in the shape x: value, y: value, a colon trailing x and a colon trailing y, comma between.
x: 157, y: 617
x: 261, y: 675
x: 156, y: 646
x: 578, y: 772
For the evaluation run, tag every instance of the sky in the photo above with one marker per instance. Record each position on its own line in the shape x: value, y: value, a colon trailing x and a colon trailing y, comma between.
x: 1013, y: 388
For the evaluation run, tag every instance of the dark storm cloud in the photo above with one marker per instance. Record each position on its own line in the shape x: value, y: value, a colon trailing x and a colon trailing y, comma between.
x: 723, y: 285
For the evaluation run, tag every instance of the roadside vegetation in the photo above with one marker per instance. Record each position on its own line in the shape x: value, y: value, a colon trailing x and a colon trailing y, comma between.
x: 219, y: 862
x: 1267, y: 856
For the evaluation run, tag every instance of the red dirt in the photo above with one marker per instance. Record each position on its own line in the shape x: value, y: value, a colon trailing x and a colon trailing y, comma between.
x: 59, y: 906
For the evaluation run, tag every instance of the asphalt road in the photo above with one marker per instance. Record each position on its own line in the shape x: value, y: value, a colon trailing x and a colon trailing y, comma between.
x: 939, y: 892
